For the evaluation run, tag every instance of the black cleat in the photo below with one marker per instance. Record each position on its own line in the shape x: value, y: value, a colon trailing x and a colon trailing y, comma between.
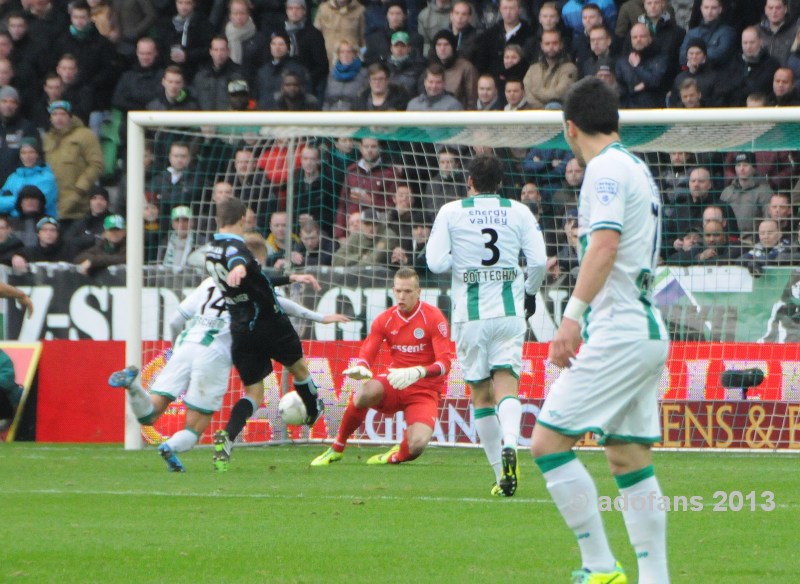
x: 508, y: 480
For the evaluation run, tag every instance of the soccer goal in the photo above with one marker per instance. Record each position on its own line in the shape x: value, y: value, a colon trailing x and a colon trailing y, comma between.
x: 733, y: 377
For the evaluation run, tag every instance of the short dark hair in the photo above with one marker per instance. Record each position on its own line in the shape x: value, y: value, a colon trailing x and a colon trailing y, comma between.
x: 434, y: 69
x: 592, y: 106
x: 80, y: 5
x: 486, y: 171
x: 230, y: 212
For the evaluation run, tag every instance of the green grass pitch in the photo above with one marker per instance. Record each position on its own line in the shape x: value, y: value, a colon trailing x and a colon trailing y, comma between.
x: 89, y: 514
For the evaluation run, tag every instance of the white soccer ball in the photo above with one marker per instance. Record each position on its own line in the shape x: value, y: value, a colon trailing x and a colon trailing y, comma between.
x: 292, y: 409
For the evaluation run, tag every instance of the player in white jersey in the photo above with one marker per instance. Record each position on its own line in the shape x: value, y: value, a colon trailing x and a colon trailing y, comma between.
x: 610, y: 388
x: 480, y: 239
x: 198, y: 369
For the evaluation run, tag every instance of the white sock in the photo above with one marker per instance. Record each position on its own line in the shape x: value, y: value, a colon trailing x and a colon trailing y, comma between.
x: 488, y: 427
x: 182, y: 440
x: 509, y: 412
x: 575, y: 495
x: 646, y: 521
x: 140, y: 402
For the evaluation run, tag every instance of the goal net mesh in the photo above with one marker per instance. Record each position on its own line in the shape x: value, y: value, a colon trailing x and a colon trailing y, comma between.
x: 357, y: 201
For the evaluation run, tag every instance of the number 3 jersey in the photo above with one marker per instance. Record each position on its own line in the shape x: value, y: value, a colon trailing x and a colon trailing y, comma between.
x: 619, y: 193
x: 480, y: 238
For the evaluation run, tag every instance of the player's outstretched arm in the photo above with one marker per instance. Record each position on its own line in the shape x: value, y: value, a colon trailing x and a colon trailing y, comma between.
x: 335, y: 317
x: 8, y: 291
x: 305, y: 279
x: 292, y: 308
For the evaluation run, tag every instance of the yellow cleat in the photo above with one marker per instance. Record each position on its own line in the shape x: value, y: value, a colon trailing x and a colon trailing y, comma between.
x: 585, y: 577
x: 383, y: 458
x: 497, y: 491
x: 328, y: 457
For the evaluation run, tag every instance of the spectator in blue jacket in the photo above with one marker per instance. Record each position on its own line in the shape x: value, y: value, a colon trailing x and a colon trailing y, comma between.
x: 33, y: 171
x: 719, y: 37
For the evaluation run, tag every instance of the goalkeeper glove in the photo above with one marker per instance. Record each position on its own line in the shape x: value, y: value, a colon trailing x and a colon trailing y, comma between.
x: 358, y: 372
x: 402, y: 378
x: 530, y: 305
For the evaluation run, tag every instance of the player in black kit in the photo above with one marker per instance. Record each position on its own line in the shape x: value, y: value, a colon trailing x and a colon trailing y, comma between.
x: 260, y: 330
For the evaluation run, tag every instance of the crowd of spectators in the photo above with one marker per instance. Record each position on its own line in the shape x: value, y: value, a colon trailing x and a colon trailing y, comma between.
x: 70, y: 72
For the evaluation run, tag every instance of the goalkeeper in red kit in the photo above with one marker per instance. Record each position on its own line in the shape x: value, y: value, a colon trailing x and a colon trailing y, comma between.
x: 419, y: 341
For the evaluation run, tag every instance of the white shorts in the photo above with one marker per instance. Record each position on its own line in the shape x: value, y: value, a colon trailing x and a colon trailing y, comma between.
x: 484, y: 346
x: 610, y: 390
x: 199, y: 371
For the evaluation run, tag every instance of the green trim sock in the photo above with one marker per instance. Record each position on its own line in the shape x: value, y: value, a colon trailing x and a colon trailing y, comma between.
x: 140, y: 402
x: 575, y: 495
x: 645, y: 515
x: 182, y: 440
x: 509, y: 412
x: 488, y: 427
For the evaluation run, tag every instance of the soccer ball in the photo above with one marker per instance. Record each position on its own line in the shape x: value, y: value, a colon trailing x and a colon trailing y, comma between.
x: 292, y: 409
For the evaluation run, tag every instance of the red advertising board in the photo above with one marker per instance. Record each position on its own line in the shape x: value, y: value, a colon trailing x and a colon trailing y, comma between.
x: 697, y: 412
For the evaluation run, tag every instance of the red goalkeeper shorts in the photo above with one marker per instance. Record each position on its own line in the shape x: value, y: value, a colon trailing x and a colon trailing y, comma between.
x: 418, y: 404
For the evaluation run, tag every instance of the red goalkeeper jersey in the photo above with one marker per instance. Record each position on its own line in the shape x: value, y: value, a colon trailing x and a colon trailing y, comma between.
x: 421, y: 337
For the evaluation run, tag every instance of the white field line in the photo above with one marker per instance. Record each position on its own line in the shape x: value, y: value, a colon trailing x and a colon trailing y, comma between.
x: 355, y: 499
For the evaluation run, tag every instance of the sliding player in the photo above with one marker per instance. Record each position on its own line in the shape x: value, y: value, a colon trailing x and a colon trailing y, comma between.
x: 610, y: 387
x: 198, y: 369
x: 418, y: 339
x: 480, y: 238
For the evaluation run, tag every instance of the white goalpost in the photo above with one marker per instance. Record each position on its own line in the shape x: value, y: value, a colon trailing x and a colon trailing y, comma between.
x: 714, y: 315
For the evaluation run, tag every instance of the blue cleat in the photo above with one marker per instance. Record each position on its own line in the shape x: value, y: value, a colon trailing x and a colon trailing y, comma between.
x: 173, y: 464
x: 124, y: 377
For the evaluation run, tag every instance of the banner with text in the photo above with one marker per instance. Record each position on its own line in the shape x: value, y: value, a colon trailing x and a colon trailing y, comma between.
x: 698, y: 303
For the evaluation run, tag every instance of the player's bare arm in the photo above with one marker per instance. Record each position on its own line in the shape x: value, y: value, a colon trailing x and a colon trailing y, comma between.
x: 306, y: 279
x: 595, y: 268
x: 236, y: 275
x: 8, y: 291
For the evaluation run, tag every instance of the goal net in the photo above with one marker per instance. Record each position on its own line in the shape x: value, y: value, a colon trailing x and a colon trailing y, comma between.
x: 350, y: 198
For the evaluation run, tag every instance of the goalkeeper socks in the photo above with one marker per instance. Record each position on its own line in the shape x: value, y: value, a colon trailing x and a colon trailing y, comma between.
x: 307, y: 390
x: 575, y: 495
x: 182, y: 440
x: 488, y: 427
x: 240, y: 413
x: 140, y: 403
x: 646, y: 521
x: 403, y: 455
x: 351, y: 420
x: 509, y: 412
